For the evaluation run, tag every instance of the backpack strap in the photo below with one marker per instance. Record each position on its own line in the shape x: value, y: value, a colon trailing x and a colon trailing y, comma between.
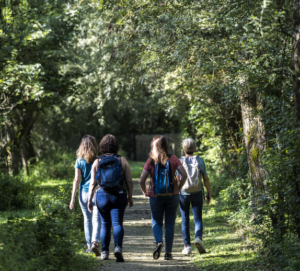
x: 201, y: 177
x: 120, y: 159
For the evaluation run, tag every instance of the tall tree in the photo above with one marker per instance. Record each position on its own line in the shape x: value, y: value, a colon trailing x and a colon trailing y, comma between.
x: 296, y: 56
x: 33, y: 35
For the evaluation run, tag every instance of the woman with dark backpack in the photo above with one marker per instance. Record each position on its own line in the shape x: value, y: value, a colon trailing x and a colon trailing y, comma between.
x: 164, y: 192
x: 111, y: 178
x: 86, y: 154
x: 192, y: 193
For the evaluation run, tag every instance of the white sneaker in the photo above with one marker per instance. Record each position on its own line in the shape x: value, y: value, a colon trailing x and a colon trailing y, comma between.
x: 118, y: 254
x: 199, y: 245
x: 104, y: 255
x: 187, y: 250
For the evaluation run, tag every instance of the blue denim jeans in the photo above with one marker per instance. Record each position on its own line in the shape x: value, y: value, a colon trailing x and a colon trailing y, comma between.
x: 112, y: 208
x: 91, y: 221
x: 160, y: 206
x: 197, y: 203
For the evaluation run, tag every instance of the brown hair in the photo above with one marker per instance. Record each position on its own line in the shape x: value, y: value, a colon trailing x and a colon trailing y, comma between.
x: 109, y: 144
x: 88, y: 149
x: 159, y: 150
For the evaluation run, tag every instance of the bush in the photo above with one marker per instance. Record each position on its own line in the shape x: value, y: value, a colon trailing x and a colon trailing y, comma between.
x: 56, y: 165
x: 232, y: 196
x: 46, y: 242
x: 15, y: 193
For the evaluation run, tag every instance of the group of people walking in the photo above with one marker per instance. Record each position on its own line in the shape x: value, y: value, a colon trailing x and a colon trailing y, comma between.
x: 106, y: 188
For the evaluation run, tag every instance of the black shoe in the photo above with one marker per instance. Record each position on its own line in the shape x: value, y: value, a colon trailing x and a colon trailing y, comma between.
x: 156, y: 253
x: 168, y: 256
x: 95, y: 249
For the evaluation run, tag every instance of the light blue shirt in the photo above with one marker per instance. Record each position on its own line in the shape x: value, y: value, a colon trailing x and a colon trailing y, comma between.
x: 85, y: 169
x: 201, y: 167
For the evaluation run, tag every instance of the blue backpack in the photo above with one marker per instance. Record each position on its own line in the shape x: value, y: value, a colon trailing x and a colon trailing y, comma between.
x: 110, y: 176
x: 163, y: 180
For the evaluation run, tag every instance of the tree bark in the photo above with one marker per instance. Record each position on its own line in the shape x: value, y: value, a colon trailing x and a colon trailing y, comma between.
x: 13, y: 150
x: 296, y: 56
x: 19, y: 145
x: 27, y: 150
x: 254, y: 137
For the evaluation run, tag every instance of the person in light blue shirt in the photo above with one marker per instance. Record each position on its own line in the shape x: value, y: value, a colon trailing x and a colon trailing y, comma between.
x: 86, y: 155
x: 193, y: 194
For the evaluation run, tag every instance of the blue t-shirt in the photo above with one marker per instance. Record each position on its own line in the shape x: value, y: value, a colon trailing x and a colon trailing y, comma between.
x: 201, y: 167
x: 85, y: 169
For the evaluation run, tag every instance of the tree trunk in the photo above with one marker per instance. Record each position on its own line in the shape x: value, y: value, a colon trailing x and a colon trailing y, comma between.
x: 27, y: 152
x: 296, y: 56
x: 255, y: 143
x: 13, y: 150
x: 19, y: 145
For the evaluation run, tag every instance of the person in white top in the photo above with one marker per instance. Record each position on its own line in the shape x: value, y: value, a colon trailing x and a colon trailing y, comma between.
x: 192, y: 193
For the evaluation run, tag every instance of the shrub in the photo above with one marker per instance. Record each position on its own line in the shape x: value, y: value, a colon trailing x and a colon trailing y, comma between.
x: 48, y: 241
x: 15, y: 193
x: 232, y: 196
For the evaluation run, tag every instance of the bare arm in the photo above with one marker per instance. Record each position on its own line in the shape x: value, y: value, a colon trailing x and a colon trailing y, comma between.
x: 76, y: 183
x: 207, y: 185
x: 183, y: 176
x: 128, y: 179
x: 92, y: 184
x: 143, y: 179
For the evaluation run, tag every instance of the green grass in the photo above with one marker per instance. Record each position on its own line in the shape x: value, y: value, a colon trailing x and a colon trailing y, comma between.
x: 227, y: 248
x: 136, y: 168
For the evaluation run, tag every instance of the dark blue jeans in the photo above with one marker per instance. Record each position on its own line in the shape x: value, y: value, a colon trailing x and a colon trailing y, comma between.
x: 160, y: 206
x: 197, y: 204
x: 111, y: 208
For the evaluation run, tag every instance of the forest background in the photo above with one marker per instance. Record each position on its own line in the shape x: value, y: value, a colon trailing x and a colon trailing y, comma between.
x: 225, y: 73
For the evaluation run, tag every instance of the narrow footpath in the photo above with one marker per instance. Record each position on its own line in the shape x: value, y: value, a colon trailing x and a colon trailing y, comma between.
x: 139, y: 242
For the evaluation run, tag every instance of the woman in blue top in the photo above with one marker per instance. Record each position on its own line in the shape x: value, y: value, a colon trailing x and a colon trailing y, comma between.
x: 186, y: 198
x: 86, y: 155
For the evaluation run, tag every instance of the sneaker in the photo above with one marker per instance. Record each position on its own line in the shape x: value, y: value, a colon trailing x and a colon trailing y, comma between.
x: 168, y: 256
x: 88, y: 250
x: 156, y: 253
x: 187, y: 250
x: 104, y: 255
x: 118, y: 254
x: 199, y: 245
x: 95, y: 248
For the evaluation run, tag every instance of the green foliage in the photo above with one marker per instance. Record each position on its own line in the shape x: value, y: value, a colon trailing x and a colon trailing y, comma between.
x: 234, y: 194
x: 134, y: 67
x: 47, y: 239
x: 16, y: 193
x: 57, y: 164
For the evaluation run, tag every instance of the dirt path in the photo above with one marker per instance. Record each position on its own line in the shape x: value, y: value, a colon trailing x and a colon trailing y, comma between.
x: 139, y: 242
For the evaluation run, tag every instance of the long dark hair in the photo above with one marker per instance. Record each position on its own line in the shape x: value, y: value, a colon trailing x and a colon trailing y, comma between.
x: 159, y: 150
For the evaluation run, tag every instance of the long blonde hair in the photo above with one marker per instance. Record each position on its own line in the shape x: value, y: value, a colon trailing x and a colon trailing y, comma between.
x: 159, y: 150
x: 88, y: 149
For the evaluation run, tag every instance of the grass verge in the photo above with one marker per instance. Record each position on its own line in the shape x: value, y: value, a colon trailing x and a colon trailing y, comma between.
x: 226, y: 248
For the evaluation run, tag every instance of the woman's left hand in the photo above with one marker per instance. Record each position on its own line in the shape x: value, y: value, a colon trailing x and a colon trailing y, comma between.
x: 72, y: 203
x: 90, y: 206
x: 130, y: 202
